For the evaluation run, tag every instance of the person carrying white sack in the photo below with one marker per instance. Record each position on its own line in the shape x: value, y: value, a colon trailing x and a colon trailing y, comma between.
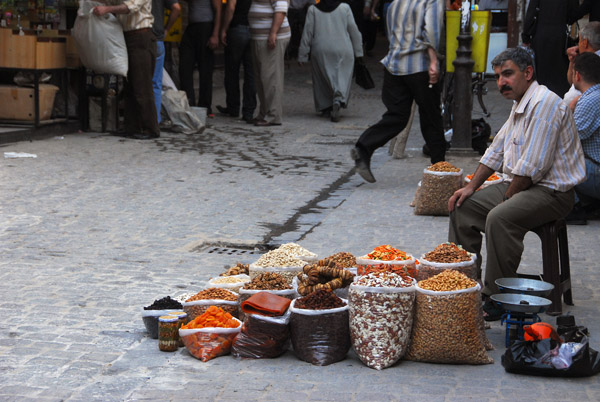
x: 140, y: 110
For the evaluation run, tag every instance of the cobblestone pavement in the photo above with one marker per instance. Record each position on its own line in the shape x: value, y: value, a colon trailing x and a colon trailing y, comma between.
x: 96, y: 227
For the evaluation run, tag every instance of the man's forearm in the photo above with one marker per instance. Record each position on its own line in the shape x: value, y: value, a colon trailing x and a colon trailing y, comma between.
x: 277, y: 21
x: 120, y: 9
x: 175, y: 12
x: 518, y: 184
x: 481, y: 175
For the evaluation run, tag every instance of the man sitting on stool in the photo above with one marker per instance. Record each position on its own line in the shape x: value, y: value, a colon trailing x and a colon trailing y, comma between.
x: 539, y: 150
x: 586, y: 78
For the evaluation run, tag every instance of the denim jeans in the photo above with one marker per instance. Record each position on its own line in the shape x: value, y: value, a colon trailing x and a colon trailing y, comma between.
x: 590, y: 188
x: 158, y: 76
x: 238, y: 53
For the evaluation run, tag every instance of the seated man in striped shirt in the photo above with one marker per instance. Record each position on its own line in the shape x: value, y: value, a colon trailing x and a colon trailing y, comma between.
x: 540, y: 152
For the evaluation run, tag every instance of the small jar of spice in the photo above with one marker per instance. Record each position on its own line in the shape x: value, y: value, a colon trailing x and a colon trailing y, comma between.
x: 181, y: 320
x: 168, y: 332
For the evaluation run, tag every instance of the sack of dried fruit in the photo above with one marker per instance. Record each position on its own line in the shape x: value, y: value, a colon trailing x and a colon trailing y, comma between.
x: 319, y: 328
x: 211, y: 334
x: 439, y: 182
x: 448, y: 256
x: 398, y: 260
x: 381, y: 317
x: 262, y: 337
x: 447, y: 324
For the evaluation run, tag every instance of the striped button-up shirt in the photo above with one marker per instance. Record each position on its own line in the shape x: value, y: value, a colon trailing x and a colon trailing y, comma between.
x: 139, y: 16
x: 260, y: 18
x: 412, y: 26
x: 587, y: 120
x: 539, y: 140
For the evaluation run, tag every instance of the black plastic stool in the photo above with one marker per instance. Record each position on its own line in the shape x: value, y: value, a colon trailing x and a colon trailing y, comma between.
x: 555, y: 259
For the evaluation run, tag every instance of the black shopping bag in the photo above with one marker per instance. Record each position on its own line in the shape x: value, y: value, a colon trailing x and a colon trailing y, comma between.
x: 363, y: 77
x: 535, y: 358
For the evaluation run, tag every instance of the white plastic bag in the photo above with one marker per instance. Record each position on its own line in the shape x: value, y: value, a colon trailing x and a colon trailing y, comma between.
x: 180, y: 113
x: 99, y: 40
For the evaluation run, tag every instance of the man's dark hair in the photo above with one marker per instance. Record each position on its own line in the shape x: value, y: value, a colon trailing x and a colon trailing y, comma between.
x: 591, y: 32
x: 588, y: 66
x: 517, y: 55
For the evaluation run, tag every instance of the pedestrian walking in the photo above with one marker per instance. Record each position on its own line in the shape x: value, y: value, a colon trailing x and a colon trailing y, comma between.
x: 411, y: 73
x: 333, y: 41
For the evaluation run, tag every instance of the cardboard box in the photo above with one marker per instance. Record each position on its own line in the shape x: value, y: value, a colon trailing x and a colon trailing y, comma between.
x: 19, y: 102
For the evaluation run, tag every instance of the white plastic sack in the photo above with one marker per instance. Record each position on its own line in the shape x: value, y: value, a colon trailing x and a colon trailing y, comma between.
x: 178, y: 109
x: 99, y: 40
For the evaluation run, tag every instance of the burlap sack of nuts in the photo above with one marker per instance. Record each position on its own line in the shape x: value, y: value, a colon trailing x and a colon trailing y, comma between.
x: 381, y: 319
x: 437, y: 186
x: 320, y: 337
x: 447, y: 328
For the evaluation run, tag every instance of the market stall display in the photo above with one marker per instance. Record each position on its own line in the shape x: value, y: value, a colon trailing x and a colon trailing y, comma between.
x: 381, y: 317
x: 439, y: 182
x: 319, y: 328
x: 211, y: 334
x: 447, y: 324
x: 448, y: 256
x: 201, y: 301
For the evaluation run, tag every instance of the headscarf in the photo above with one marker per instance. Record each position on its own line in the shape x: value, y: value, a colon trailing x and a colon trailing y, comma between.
x: 327, y: 6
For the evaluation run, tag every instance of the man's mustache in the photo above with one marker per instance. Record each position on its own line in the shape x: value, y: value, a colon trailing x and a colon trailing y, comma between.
x: 505, y: 88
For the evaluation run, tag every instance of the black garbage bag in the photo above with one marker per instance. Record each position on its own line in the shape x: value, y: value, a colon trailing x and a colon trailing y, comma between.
x: 539, y: 358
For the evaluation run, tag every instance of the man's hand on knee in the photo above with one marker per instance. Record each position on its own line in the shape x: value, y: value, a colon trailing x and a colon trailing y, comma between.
x: 459, y: 197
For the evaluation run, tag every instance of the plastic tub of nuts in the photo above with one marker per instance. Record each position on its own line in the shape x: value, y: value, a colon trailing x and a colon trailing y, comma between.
x: 232, y: 282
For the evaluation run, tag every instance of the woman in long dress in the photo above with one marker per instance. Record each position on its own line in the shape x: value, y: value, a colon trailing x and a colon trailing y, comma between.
x: 333, y: 40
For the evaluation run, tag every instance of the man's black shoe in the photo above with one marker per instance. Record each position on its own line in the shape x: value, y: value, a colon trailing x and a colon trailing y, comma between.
x: 361, y: 163
x: 226, y: 112
x: 140, y: 136
x: 577, y: 216
x: 249, y: 119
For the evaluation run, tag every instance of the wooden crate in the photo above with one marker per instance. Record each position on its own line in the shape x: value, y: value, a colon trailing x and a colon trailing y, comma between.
x: 17, y: 51
x: 20, y: 103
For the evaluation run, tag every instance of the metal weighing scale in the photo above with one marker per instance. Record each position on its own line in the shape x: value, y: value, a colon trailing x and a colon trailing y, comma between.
x: 522, y: 301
